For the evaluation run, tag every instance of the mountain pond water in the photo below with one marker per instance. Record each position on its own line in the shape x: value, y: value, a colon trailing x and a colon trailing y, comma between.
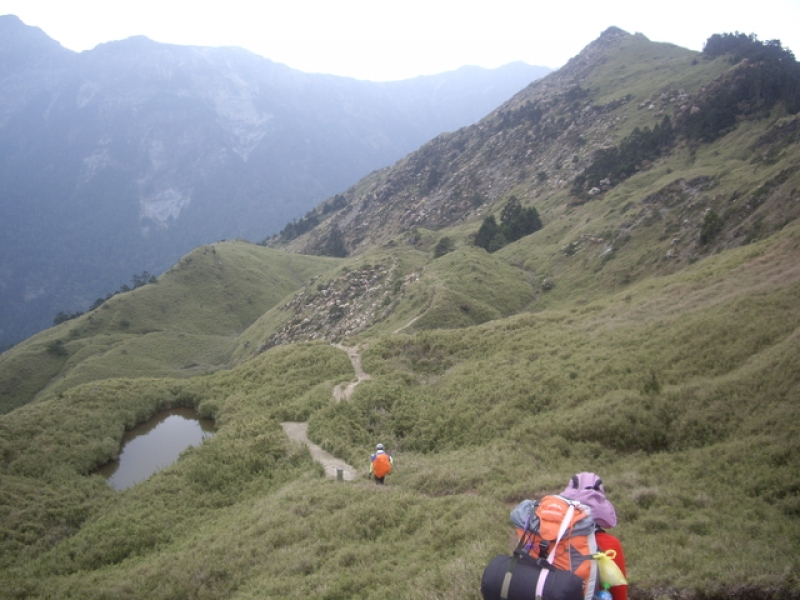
x: 155, y: 444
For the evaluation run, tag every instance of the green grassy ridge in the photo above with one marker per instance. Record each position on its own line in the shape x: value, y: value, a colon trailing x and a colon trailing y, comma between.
x: 185, y: 324
x: 471, y: 287
x: 214, y: 290
x: 638, y: 61
x: 644, y: 70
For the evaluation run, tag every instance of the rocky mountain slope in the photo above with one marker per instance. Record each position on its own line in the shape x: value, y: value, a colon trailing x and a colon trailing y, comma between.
x: 538, y: 143
x: 121, y: 159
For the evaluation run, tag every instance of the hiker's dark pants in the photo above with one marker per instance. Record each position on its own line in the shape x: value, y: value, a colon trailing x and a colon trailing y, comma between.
x: 379, y: 480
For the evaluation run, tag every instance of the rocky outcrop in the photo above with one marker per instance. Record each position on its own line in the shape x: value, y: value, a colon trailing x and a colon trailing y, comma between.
x: 343, y: 307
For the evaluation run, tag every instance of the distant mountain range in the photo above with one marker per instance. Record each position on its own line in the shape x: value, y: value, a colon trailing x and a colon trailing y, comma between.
x: 121, y: 159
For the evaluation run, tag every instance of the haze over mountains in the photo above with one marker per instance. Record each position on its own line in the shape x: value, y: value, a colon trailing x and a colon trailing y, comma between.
x: 120, y: 159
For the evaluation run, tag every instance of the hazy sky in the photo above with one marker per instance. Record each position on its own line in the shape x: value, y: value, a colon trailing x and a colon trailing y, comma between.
x: 386, y: 40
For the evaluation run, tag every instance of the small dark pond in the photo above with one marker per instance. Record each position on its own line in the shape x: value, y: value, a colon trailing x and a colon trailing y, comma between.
x: 156, y: 444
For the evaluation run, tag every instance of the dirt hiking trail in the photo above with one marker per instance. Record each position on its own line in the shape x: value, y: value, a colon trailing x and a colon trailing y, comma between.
x: 298, y: 432
x: 343, y: 393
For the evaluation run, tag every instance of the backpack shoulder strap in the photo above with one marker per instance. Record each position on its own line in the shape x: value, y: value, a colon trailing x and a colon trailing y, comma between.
x: 565, y: 524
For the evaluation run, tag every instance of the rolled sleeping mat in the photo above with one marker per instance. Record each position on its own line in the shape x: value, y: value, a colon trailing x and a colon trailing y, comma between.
x: 521, y: 582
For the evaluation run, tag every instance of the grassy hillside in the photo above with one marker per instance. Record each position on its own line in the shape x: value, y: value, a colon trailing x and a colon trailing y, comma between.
x: 633, y: 336
x: 185, y: 324
x: 682, y: 392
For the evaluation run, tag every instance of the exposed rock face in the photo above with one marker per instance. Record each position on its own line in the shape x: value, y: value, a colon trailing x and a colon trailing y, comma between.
x: 341, y: 308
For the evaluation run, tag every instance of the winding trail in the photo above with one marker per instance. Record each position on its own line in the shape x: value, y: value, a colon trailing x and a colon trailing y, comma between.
x: 298, y: 432
x: 424, y: 310
x: 341, y: 392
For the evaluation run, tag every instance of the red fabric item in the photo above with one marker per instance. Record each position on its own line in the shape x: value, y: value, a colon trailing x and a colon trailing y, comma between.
x: 606, y: 541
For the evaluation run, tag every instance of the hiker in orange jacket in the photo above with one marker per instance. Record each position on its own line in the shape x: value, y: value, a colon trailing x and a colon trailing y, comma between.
x: 380, y: 464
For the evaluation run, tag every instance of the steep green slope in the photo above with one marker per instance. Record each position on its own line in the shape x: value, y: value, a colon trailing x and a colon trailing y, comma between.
x: 185, y: 324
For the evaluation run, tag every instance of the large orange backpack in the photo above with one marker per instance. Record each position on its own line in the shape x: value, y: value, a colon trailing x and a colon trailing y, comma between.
x: 561, y: 532
x: 382, y: 465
